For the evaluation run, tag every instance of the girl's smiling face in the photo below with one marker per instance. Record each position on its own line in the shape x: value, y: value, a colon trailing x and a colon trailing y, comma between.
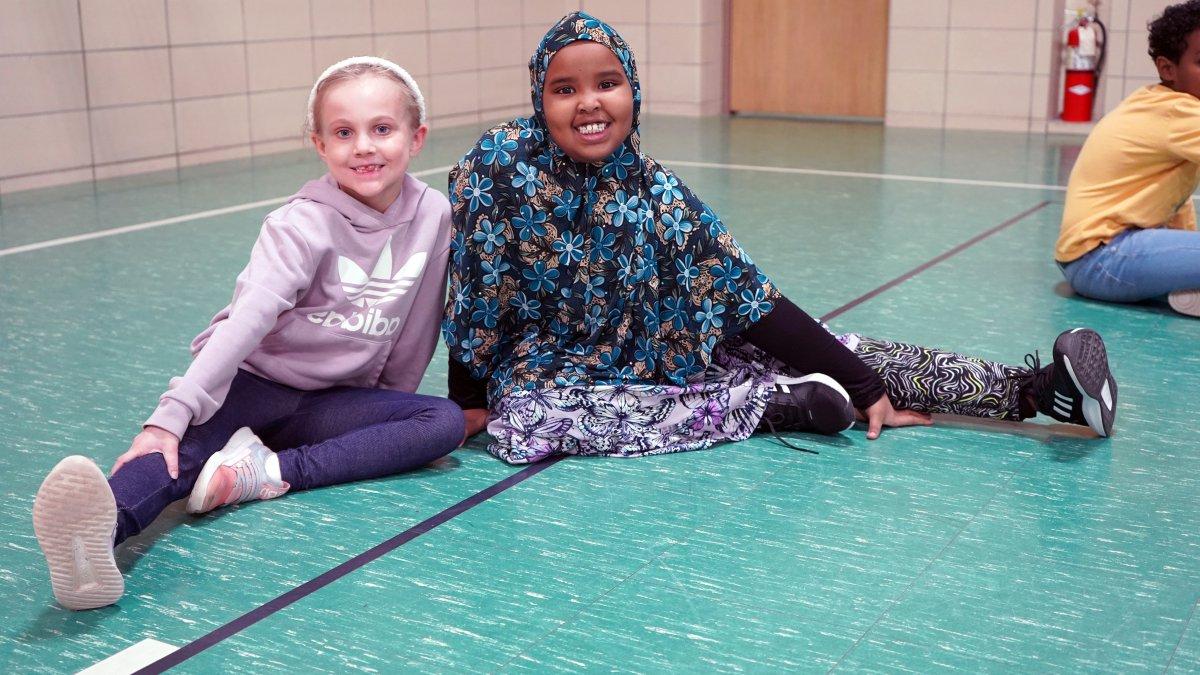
x: 366, y: 138
x: 587, y: 102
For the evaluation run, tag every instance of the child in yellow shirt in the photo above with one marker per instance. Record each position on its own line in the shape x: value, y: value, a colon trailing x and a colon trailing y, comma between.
x: 1129, y: 226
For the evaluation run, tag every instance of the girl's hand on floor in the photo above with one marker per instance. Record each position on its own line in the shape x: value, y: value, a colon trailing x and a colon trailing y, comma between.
x: 882, y: 414
x: 476, y: 421
x: 152, y: 439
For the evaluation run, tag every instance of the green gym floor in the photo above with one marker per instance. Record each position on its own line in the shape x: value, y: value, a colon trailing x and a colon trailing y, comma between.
x: 965, y: 546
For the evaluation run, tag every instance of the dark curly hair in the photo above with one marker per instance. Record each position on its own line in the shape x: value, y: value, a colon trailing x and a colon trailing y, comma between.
x: 1170, y: 31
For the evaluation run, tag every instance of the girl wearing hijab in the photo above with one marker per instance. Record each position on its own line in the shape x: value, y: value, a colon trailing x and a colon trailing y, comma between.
x: 598, y: 307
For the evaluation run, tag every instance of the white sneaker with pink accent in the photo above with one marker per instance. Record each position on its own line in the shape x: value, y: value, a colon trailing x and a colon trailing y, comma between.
x: 242, y: 471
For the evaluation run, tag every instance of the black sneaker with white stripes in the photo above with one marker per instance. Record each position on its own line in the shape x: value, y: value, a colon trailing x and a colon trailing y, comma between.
x: 1078, y: 387
x: 815, y: 403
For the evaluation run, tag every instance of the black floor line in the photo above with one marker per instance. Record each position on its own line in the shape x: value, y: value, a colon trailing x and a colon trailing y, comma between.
x: 933, y: 261
x: 263, y: 611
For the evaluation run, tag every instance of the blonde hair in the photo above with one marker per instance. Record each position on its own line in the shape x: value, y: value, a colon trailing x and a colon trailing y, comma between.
x: 358, y: 66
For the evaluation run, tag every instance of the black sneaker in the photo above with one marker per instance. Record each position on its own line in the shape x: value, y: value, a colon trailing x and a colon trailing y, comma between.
x: 814, y: 403
x: 1078, y: 387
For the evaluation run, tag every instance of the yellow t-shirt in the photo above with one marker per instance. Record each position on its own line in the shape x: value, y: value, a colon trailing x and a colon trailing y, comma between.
x: 1138, y: 169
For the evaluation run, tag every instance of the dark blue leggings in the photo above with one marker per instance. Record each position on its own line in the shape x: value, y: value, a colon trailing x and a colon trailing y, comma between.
x: 321, y: 437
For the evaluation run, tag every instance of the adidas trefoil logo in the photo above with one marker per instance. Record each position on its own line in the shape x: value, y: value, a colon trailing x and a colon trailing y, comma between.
x: 381, y: 285
x: 367, y: 291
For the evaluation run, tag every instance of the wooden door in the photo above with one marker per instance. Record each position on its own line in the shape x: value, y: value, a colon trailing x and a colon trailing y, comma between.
x: 819, y: 58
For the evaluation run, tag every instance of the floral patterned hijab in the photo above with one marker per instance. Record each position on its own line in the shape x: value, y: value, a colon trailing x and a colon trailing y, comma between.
x: 571, y: 274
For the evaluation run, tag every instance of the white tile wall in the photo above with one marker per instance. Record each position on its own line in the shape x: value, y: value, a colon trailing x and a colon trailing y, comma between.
x: 916, y: 92
x: 1021, y: 14
x: 1002, y: 63
x: 207, y: 123
x: 200, y: 21
x: 108, y: 88
x: 110, y: 79
x: 277, y: 19
x: 917, y: 49
x: 45, y: 142
x: 273, y: 114
x: 328, y: 51
x: 410, y: 50
x: 39, y: 26
x: 279, y: 64
x: 400, y: 16
x: 341, y: 17
x: 125, y: 133
x: 919, y: 13
x: 46, y: 82
x: 111, y: 24
x: 192, y: 70
x: 453, y: 51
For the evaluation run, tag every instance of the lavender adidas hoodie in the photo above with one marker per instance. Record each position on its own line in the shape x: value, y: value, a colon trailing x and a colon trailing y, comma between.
x: 335, y: 293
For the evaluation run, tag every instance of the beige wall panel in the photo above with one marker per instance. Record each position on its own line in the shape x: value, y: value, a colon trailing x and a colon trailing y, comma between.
x: 501, y: 47
x: 39, y: 26
x: 207, y: 123
x: 41, y: 143
x: 278, y: 114
x: 276, y: 19
x: 209, y: 70
x: 988, y: 14
x: 410, y: 50
x: 617, y: 11
x: 453, y: 94
x: 504, y: 88
x: 988, y: 94
x: 674, y: 43
x: 400, y: 16
x: 133, y: 132
x: 341, y: 17
x: 453, y: 51
x: 280, y: 64
x: 200, y: 21
x: 915, y: 92
x: 919, y: 13
x: 48, y: 83
x: 917, y: 49
x: 452, y: 15
x: 991, y: 51
x: 328, y: 51
x: 114, y: 24
x: 495, y: 13
x: 125, y: 77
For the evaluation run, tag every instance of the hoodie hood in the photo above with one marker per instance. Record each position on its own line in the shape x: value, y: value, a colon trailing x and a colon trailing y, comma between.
x: 363, y: 218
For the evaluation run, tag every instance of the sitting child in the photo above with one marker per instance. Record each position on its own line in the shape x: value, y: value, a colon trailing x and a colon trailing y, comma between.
x: 306, y: 378
x: 1129, y: 226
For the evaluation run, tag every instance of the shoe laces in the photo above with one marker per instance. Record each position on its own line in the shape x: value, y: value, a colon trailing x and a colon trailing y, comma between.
x: 781, y: 439
x: 1035, y: 375
x: 251, y: 475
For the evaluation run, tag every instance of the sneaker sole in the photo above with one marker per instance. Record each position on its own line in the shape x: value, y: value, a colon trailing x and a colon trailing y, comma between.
x: 1086, y: 361
x: 73, y: 517
x: 1185, y: 302
x: 832, y: 384
x: 236, y: 444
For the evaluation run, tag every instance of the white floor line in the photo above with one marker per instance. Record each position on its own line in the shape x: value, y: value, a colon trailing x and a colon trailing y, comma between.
x: 860, y: 174
x: 50, y: 243
x: 131, y: 659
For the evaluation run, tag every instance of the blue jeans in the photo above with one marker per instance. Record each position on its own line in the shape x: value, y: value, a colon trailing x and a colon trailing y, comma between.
x: 1138, y: 265
x: 322, y: 437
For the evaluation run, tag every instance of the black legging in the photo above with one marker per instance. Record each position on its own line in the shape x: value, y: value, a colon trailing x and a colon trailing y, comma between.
x: 788, y: 333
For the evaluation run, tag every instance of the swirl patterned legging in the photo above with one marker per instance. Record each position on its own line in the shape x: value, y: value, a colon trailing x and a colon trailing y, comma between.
x: 933, y: 380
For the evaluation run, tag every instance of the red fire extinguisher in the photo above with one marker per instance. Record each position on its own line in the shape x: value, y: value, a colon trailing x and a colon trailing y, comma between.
x: 1086, y: 38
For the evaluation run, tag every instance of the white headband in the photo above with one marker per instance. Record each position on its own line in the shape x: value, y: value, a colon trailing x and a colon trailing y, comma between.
x: 372, y: 61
